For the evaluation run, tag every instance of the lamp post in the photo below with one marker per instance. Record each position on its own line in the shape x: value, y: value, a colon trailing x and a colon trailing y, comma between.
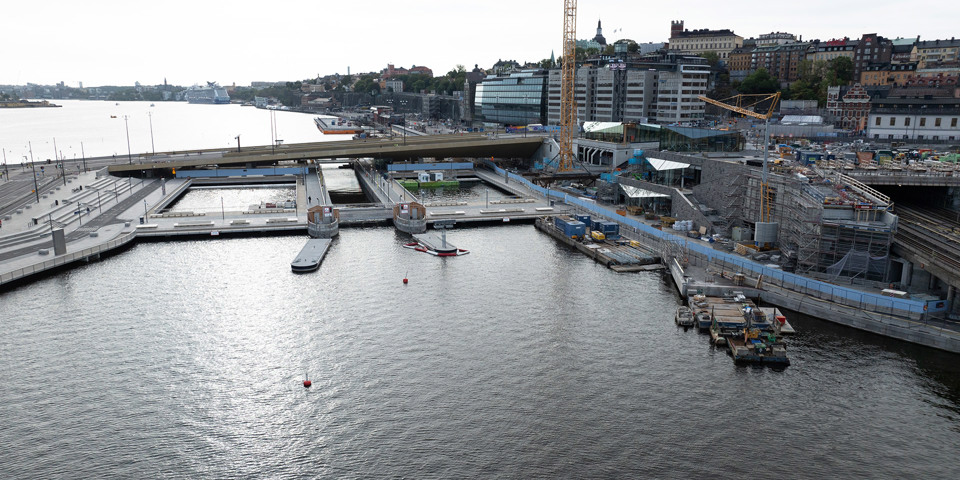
x: 126, y: 123
x: 238, y: 143
x: 84, y: 156
x: 152, y: 149
x: 36, y: 188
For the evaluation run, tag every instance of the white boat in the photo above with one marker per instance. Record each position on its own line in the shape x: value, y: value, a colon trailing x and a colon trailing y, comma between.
x: 684, y: 317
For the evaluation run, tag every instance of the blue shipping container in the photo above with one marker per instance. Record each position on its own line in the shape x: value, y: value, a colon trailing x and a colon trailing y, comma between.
x: 561, y: 221
x: 610, y: 228
x: 584, y: 218
x: 574, y: 229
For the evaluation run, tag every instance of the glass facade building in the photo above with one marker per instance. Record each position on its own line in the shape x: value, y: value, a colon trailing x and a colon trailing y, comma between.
x: 671, y: 138
x: 516, y: 99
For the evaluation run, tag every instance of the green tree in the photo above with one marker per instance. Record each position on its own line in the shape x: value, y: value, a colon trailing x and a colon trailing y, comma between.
x: 842, y: 68
x: 712, y: 58
x: 367, y: 84
x: 759, y: 82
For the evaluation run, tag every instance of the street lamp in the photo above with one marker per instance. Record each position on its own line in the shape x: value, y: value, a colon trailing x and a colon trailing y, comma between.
x: 238, y: 143
x: 127, y: 125
x: 36, y: 188
x: 152, y: 149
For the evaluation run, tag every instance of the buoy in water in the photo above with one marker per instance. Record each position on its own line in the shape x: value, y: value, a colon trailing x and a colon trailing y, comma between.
x: 405, y: 280
x: 306, y: 381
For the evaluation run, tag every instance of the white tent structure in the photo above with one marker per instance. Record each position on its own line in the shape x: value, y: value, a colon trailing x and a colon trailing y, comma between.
x: 650, y: 201
x: 663, y: 172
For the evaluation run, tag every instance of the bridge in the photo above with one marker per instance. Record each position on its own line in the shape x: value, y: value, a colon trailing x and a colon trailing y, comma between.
x: 930, y: 239
x: 435, y: 146
x: 906, y: 177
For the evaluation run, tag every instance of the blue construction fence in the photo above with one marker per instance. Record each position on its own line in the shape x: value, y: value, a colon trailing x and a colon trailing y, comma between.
x: 414, y: 167
x: 790, y: 281
x: 240, y: 172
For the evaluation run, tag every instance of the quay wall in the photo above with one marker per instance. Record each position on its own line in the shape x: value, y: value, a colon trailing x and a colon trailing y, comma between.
x: 789, y: 281
x: 86, y: 254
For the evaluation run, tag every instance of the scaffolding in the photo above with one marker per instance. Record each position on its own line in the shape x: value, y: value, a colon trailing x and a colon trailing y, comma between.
x: 828, y: 229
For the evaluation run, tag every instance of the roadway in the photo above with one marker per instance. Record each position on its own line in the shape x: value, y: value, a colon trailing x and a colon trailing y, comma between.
x: 429, y: 146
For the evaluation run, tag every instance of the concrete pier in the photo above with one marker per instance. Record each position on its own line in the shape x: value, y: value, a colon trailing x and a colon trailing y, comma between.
x: 311, y: 255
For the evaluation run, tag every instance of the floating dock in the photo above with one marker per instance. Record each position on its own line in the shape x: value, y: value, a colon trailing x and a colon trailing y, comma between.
x: 619, y: 256
x: 435, y: 245
x: 753, y: 334
x: 310, y: 257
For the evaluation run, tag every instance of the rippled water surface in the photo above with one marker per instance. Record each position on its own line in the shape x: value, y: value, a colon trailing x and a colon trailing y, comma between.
x: 209, y: 199
x: 522, y: 359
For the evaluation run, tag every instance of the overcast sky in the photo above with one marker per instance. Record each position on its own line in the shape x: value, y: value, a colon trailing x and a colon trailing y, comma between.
x: 113, y: 42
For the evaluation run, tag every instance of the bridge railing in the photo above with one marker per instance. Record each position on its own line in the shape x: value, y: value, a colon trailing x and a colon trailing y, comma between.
x: 791, y: 281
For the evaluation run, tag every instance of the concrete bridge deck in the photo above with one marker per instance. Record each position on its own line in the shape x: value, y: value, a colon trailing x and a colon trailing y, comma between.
x: 430, y: 146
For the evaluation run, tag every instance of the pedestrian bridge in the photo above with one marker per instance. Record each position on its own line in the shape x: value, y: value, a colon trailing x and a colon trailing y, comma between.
x: 430, y: 146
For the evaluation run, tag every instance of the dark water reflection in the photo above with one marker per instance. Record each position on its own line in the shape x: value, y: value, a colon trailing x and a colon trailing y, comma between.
x: 522, y: 359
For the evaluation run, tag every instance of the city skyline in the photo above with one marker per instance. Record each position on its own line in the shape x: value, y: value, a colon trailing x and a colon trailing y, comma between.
x: 188, y: 43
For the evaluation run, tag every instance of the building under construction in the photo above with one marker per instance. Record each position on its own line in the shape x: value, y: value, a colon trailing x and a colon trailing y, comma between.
x: 827, y: 225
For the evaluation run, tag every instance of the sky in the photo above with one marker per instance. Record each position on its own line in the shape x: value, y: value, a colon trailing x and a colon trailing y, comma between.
x: 111, y: 42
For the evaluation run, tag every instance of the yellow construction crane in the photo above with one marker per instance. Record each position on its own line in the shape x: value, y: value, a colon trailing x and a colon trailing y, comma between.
x: 747, y: 105
x: 568, y: 71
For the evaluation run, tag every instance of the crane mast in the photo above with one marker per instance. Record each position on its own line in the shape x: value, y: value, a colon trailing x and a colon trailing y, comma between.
x: 745, y: 105
x: 568, y: 71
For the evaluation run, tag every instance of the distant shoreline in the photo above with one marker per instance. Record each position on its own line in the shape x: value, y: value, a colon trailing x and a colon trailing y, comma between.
x: 27, y: 104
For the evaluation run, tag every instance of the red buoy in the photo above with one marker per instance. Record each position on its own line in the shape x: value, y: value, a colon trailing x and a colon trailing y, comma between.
x: 306, y: 381
x: 405, y: 281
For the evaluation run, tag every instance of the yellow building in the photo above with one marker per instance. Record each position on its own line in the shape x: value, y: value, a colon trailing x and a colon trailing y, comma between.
x: 887, y: 74
x: 938, y: 52
x: 831, y: 49
x: 702, y: 41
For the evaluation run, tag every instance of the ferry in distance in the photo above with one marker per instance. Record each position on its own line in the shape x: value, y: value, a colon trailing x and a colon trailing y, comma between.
x: 335, y: 126
x: 212, y: 93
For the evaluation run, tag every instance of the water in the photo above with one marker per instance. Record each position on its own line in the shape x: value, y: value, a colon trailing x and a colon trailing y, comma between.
x: 213, y: 199
x: 343, y: 186
x: 177, y: 126
x: 471, y: 192
x: 522, y: 359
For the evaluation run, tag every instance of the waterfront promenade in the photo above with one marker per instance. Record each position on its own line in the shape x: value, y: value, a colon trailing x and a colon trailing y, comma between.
x: 109, y: 212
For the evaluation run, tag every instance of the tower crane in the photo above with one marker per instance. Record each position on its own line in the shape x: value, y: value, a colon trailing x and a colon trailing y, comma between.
x: 568, y: 106
x: 748, y: 104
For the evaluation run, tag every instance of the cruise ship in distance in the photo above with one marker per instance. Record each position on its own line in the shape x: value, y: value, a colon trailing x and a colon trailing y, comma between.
x: 212, y: 93
x: 335, y: 125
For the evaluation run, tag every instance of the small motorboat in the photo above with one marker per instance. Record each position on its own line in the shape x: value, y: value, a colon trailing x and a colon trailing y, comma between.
x: 684, y: 317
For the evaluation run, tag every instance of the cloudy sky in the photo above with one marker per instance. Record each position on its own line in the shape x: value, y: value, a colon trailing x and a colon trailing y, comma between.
x: 113, y: 42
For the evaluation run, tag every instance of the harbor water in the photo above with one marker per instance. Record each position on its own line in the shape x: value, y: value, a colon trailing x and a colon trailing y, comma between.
x: 521, y: 360
x: 97, y: 128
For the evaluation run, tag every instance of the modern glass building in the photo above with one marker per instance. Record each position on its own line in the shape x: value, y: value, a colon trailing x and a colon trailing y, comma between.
x: 516, y: 99
x: 682, y: 139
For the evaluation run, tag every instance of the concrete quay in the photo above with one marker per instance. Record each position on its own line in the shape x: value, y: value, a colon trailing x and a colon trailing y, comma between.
x: 110, y: 212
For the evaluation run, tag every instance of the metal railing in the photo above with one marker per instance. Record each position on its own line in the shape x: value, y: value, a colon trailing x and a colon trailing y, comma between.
x: 66, y: 259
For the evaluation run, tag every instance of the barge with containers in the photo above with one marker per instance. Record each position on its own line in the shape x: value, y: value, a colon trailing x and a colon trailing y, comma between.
x: 600, y: 241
